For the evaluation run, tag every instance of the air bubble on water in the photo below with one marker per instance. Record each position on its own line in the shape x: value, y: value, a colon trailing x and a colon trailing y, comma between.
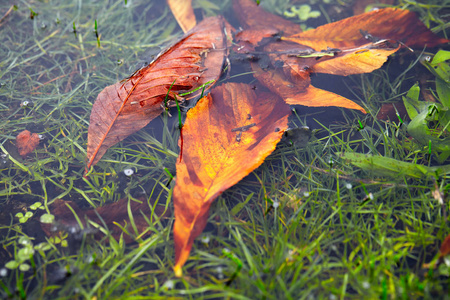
x: 169, y: 284
x: 3, y: 272
x: 366, y: 285
x: 128, y: 172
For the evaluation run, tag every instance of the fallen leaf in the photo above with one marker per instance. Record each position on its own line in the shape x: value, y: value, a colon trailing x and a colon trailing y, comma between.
x: 301, y: 94
x: 125, y: 107
x: 247, y: 40
x: 445, y: 247
x: 358, y: 60
x: 250, y: 15
x: 26, y: 142
x: 383, y: 24
x: 389, y: 111
x: 111, y: 215
x: 183, y: 13
x: 362, y: 43
x: 226, y: 136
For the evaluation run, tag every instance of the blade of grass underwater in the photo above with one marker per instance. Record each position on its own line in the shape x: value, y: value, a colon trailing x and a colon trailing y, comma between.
x: 136, y: 254
x: 391, y: 167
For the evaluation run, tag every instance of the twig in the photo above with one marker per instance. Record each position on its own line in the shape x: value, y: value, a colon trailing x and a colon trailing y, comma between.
x: 6, y: 14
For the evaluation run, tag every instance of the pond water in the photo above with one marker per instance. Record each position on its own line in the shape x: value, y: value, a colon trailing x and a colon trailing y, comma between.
x: 306, y: 224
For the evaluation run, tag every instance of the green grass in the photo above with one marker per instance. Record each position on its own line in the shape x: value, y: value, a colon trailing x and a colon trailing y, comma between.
x: 338, y: 232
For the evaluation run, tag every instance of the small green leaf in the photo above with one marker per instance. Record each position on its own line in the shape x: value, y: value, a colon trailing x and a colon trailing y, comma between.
x: 25, y: 253
x: 47, y: 218
x: 443, y: 91
x: 12, y: 264
x: 24, y: 267
x: 241, y: 205
x: 441, y: 56
x: 19, y: 215
x: 411, y: 101
x: 414, y: 92
x: 64, y: 243
x: 36, y: 205
x: 43, y: 246
x: 24, y: 241
x: 28, y: 214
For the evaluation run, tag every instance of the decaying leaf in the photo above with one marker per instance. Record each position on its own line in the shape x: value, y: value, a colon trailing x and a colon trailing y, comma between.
x: 445, y: 247
x: 250, y: 15
x: 383, y: 24
x: 362, y: 43
x: 443, y: 252
x: 125, y: 107
x: 392, y: 111
x: 304, y: 94
x: 26, y: 142
x: 183, y: 13
x: 226, y: 136
x: 114, y: 216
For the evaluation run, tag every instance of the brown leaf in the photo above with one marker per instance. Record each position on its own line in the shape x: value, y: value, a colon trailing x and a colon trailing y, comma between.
x: 26, y: 142
x: 354, y: 45
x: 247, y: 40
x: 387, y: 23
x: 183, y: 13
x: 111, y: 215
x: 302, y: 93
x: 388, y: 111
x: 125, y: 107
x: 445, y: 247
x: 226, y: 136
x: 250, y: 15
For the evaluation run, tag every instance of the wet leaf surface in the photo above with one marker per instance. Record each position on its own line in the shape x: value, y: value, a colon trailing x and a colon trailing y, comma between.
x: 226, y: 136
x: 382, y: 24
x: 183, y: 13
x: 295, y: 94
x: 250, y: 15
x: 125, y: 107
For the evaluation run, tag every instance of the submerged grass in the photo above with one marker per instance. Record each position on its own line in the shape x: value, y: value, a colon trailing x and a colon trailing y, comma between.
x: 313, y: 225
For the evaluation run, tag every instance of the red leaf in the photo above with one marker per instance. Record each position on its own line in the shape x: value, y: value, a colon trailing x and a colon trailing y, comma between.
x: 26, y: 142
x: 445, y: 247
x: 250, y: 15
x: 124, y: 108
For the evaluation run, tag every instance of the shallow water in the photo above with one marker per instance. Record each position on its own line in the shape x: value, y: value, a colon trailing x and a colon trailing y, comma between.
x: 52, y: 57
